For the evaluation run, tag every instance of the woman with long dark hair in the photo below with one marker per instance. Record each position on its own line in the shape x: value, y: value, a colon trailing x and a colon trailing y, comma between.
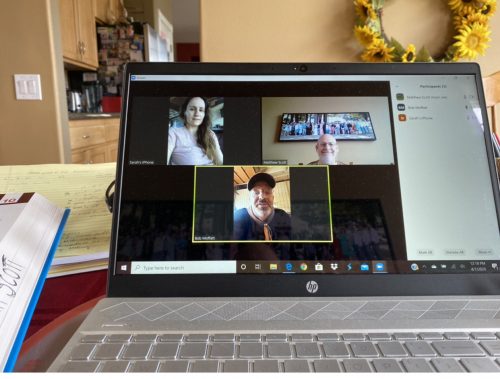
x: 195, y: 143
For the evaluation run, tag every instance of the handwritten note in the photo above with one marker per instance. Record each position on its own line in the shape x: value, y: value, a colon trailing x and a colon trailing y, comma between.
x: 79, y: 187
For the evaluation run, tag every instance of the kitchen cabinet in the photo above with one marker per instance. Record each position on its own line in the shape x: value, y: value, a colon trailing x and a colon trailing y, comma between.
x: 94, y: 140
x: 78, y: 33
x: 107, y: 11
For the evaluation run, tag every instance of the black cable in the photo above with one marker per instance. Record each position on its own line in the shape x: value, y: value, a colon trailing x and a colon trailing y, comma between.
x: 108, y: 196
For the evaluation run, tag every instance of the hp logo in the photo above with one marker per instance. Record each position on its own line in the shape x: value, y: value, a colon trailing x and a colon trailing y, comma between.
x: 312, y: 286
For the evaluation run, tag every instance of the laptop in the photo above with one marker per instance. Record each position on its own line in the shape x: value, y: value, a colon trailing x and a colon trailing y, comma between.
x: 300, y: 218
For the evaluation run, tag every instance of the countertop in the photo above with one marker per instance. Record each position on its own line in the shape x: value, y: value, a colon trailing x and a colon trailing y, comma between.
x: 90, y: 116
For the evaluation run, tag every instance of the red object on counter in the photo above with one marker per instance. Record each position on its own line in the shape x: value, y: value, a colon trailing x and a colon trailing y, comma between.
x: 111, y: 104
x: 63, y: 293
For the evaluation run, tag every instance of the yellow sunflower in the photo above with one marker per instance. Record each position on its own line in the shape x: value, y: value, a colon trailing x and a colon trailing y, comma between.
x: 456, y: 57
x: 365, y: 34
x: 378, y: 52
x: 365, y: 10
x: 489, y: 7
x: 472, y: 40
x: 468, y: 19
x: 464, y: 5
x: 410, y: 54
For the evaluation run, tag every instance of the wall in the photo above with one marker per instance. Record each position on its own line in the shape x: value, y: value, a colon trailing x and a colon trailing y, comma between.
x: 357, y: 152
x: 187, y: 21
x: 320, y: 30
x: 32, y: 131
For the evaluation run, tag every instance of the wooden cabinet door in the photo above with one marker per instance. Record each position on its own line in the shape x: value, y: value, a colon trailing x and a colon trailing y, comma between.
x: 69, y: 29
x: 101, y: 10
x: 89, y: 156
x: 98, y: 155
x: 94, y: 141
x: 106, y: 11
x: 112, y: 151
x: 87, y: 32
x: 86, y: 136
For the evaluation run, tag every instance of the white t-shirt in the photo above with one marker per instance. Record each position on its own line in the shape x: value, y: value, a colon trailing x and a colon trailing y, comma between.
x: 186, y: 151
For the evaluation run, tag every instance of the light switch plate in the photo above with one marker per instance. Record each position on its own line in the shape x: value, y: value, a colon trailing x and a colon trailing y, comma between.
x: 28, y: 87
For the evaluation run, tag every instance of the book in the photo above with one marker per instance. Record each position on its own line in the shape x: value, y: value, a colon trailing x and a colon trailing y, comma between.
x: 30, y: 230
x: 85, y: 244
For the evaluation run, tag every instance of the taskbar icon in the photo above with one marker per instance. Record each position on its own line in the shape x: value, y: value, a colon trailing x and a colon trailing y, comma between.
x: 379, y: 267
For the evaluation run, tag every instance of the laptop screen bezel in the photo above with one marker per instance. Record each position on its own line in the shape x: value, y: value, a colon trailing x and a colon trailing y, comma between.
x: 273, y: 285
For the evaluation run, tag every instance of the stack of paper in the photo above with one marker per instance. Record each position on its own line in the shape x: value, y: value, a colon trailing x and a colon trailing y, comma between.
x: 85, y: 243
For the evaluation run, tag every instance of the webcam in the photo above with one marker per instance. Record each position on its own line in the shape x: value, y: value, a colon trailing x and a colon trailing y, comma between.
x: 301, y: 68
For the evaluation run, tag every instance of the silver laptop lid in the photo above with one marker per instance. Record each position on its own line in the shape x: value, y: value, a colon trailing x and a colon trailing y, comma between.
x: 317, y: 179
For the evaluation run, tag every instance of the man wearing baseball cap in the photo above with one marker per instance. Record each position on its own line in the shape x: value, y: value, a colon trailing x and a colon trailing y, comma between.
x: 261, y: 220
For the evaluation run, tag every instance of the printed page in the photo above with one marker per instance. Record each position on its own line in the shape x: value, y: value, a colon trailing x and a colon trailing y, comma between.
x: 78, y: 187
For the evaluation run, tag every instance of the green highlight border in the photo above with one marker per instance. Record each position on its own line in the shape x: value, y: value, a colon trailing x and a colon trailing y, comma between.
x: 261, y: 241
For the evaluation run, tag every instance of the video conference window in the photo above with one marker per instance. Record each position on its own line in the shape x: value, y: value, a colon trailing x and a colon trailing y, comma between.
x: 321, y: 131
x: 195, y: 135
x: 351, y: 126
x: 262, y: 203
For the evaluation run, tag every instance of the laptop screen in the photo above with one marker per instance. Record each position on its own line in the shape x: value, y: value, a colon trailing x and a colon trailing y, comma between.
x: 273, y: 174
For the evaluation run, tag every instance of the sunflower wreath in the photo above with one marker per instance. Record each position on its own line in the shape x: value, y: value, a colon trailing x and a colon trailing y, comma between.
x: 471, y: 33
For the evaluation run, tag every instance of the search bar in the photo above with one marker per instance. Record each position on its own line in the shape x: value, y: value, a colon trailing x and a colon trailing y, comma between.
x: 184, y: 267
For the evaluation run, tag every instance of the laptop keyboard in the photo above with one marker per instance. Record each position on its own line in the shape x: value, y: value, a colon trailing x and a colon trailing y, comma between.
x: 279, y: 352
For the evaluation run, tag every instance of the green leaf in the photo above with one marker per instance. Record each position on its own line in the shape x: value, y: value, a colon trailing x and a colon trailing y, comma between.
x: 449, y: 54
x: 423, y: 55
x: 377, y: 4
x: 375, y: 26
x: 398, y: 48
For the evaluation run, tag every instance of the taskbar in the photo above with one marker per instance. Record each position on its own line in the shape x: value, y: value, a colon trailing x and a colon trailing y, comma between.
x: 307, y: 267
x: 366, y: 267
